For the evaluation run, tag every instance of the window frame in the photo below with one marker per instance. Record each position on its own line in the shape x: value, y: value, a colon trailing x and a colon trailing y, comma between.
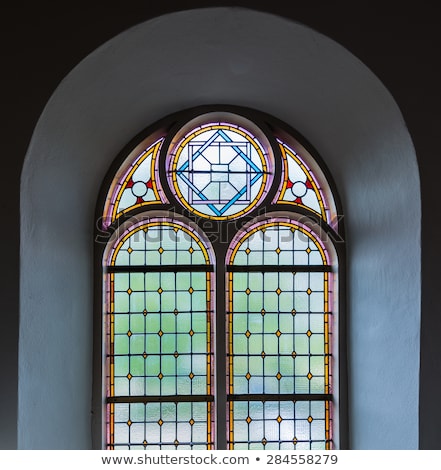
x: 218, y: 230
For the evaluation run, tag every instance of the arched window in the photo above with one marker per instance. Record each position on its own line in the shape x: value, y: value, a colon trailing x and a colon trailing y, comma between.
x: 220, y: 244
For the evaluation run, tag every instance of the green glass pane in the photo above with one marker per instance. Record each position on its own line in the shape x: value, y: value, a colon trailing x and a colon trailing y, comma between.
x: 197, y: 258
x: 137, y: 323
x: 183, y: 302
x: 153, y: 302
x: 199, y: 385
x: 137, y: 281
x: 183, y: 281
x: 271, y: 365
x: 137, y: 386
x: 301, y: 282
x: 121, y: 411
x: 301, y: 365
x: 255, y: 322
x: 270, y: 344
x: 317, y: 344
x: 271, y: 384
x: 240, y: 344
x: 240, y: 365
x: 240, y: 302
x: 168, y: 344
x: 199, y: 322
x: 240, y: 385
x: 316, y: 281
x: 152, y: 385
x: 317, y: 323
x: 198, y: 281
x: 121, y: 386
x: 317, y: 385
x: 152, y: 344
x: 184, y: 257
x: 137, y: 344
x: 271, y: 323
x: 240, y: 323
x: 199, y: 300
x: 286, y: 367
x: 286, y: 282
x: 168, y: 323
x: 317, y: 303
x: 121, y: 282
x: 152, y: 281
x: 121, y: 433
x: 301, y: 344
x: 153, y: 323
x: 137, y: 258
x: 286, y: 323
x: 168, y: 386
x: 301, y: 301
x: 286, y: 301
x: 301, y: 257
x: 183, y: 322
x: 256, y: 366
x: 122, y: 258
x: 240, y: 282
x: 199, y: 364
x: 168, y: 365
x: 255, y: 344
x: 286, y: 343
x: 121, y: 366
x: 241, y: 258
x: 183, y: 385
x: 199, y: 343
x: 271, y: 301
x: 137, y: 365
x: 121, y: 323
x: 183, y: 343
x: 271, y: 282
x: 301, y: 322
x: 152, y: 258
x: 255, y: 301
x: 121, y: 344
x: 121, y: 302
x: 137, y: 302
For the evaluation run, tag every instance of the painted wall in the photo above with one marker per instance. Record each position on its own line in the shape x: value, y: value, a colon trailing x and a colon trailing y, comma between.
x: 229, y: 56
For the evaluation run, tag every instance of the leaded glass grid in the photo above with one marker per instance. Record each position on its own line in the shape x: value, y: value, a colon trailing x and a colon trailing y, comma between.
x: 279, y: 339
x: 159, y: 335
x: 180, y: 197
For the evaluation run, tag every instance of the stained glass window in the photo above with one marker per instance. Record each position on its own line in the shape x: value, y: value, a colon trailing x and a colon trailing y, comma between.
x: 159, y: 337
x: 220, y: 281
x: 278, y: 339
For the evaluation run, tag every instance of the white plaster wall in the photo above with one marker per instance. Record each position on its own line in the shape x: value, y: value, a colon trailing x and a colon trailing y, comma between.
x: 240, y: 57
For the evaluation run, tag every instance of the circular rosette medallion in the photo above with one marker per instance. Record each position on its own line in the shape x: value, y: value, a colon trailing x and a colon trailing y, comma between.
x: 220, y: 170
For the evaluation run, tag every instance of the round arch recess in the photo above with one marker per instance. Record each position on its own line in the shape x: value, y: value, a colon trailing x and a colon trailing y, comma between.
x: 247, y: 58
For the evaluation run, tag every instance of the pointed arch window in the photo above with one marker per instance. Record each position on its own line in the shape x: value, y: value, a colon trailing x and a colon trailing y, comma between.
x: 221, y: 319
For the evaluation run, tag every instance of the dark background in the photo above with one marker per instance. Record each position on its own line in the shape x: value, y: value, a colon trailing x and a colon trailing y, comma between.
x: 400, y: 42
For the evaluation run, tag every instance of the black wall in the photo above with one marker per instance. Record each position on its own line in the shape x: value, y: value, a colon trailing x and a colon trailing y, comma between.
x: 400, y: 43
